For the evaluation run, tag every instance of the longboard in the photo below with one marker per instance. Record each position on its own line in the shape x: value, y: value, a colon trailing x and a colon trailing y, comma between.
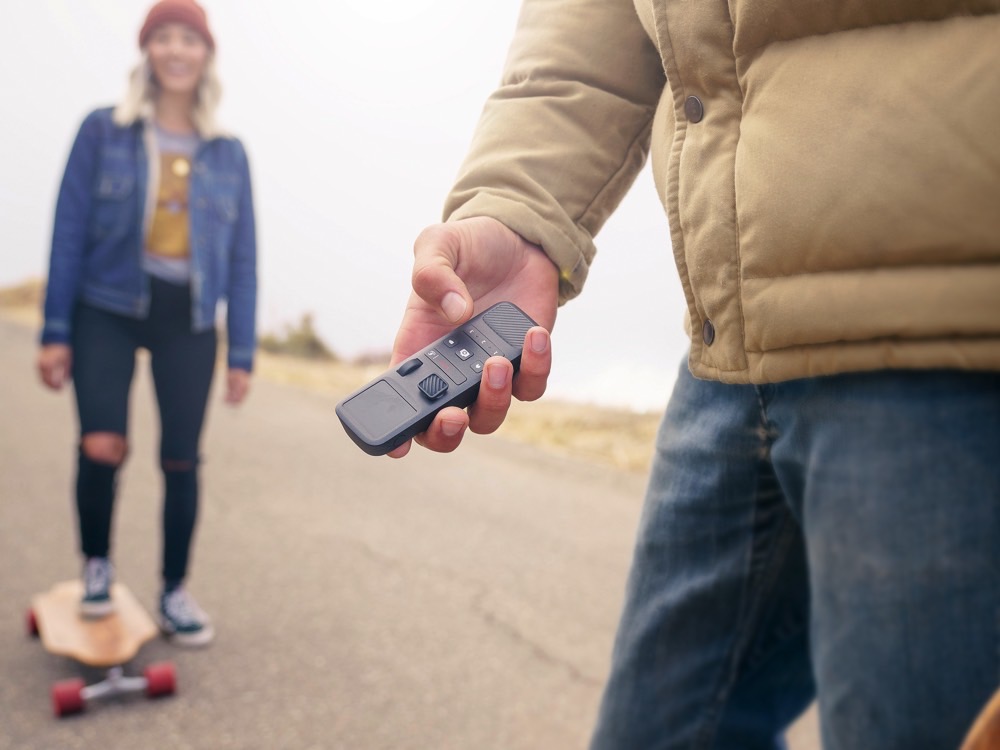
x: 109, y: 643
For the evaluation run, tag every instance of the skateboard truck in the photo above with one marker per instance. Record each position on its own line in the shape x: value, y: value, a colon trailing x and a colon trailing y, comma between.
x: 71, y: 696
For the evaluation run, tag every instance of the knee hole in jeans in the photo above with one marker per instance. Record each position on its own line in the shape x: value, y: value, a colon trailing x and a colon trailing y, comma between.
x: 107, y: 448
x: 173, y: 465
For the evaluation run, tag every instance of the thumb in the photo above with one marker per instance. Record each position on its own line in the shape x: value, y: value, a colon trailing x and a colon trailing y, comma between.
x: 437, y: 252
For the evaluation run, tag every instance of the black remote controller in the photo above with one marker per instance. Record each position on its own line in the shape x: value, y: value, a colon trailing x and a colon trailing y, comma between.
x: 402, y: 402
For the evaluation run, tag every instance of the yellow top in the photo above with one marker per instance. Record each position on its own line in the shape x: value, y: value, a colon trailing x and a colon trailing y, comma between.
x: 170, y: 229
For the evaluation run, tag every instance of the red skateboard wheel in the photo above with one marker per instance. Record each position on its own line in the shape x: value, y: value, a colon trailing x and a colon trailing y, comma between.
x: 160, y: 679
x: 67, y: 697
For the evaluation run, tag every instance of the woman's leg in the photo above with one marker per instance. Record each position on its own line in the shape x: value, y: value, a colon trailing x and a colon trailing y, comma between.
x: 183, y: 364
x: 103, y: 364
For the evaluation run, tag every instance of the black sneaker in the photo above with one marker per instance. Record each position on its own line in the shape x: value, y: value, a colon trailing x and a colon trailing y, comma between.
x: 183, y: 621
x: 98, y: 574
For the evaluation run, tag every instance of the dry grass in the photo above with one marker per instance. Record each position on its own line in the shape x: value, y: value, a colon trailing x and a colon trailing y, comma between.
x: 23, y: 302
x: 335, y: 379
x: 618, y: 438
x: 614, y: 437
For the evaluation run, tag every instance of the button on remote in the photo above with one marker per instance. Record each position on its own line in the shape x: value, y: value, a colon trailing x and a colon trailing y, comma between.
x: 409, y: 366
x: 433, y: 386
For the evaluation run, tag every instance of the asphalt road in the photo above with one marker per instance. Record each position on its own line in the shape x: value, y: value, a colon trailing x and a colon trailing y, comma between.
x: 462, y: 602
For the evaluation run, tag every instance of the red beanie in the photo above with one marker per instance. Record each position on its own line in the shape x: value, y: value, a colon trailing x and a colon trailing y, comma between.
x: 187, y: 12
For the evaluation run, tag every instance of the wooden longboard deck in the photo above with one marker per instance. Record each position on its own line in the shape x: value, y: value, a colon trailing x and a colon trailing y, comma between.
x: 985, y: 733
x: 106, y: 642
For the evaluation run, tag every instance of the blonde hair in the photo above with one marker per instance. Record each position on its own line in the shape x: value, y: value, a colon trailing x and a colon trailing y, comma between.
x: 140, y: 98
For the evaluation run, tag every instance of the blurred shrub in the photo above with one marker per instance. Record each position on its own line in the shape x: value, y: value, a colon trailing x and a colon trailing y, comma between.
x: 298, y: 341
x: 372, y: 359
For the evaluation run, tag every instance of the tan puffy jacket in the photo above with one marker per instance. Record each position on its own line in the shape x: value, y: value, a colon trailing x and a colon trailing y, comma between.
x: 831, y: 170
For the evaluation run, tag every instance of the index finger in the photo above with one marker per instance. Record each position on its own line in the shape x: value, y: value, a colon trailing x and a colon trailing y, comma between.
x: 536, y: 364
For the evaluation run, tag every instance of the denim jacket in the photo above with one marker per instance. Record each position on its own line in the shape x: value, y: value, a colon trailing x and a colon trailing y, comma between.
x: 99, y: 233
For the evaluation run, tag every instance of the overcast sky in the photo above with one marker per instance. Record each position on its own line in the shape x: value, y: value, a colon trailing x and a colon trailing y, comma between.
x: 355, y: 115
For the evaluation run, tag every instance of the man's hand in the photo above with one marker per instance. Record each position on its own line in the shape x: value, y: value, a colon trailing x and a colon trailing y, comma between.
x: 460, y: 269
x: 55, y: 365
x: 237, y: 386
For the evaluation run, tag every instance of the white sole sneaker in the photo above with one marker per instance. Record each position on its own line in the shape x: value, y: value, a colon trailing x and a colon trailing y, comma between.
x: 96, y: 610
x: 196, y: 639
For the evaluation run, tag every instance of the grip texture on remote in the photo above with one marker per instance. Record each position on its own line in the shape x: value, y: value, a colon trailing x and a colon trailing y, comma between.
x: 509, y: 322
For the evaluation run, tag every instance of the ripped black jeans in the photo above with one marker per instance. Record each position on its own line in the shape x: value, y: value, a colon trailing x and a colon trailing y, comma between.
x: 182, y: 363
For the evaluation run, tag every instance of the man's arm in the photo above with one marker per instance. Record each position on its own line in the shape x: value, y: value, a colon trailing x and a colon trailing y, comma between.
x: 562, y: 139
x: 558, y: 145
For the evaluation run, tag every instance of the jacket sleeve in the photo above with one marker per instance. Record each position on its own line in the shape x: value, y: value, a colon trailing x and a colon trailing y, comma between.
x: 69, y: 232
x: 562, y: 139
x: 241, y: 308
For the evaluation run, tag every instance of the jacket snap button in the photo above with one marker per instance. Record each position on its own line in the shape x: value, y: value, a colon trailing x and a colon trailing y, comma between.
x: 708, y: 333
x: 693, y: 109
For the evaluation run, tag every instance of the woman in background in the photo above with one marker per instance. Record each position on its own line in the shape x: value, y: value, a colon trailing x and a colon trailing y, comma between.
x: 154, y: 226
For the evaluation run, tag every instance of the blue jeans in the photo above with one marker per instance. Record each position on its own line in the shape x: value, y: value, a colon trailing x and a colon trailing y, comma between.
x: 182, y: 363
x: 834, y: 538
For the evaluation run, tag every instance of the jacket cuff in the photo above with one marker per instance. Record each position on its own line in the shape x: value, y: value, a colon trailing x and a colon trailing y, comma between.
x: 571, y: 256
x: 55, y: 332
x: 240, y: 358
